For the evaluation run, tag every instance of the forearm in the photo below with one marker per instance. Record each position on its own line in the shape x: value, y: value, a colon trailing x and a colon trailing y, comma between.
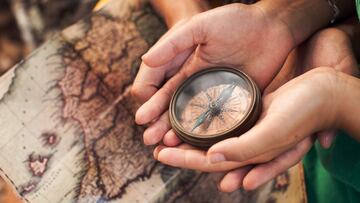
x: 174, y: 10
x: 349, y: 108
x: 304, y: 17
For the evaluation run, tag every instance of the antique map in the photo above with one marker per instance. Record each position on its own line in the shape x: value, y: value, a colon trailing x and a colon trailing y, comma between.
x: 67, y: 132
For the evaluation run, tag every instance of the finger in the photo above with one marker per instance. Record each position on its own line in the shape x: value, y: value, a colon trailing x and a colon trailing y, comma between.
x: 262, y: 173
x: 157, y: 130
x: 262, y: 138
x: 157, y: 150
x: 326, y: 138
x: 233, y: 180
x: 161, y: 147
x: 192, y: 158
x: 171, y: 139
x: 274, y: 131
x: 148, y: 80
x: 185, y: 36
x: 159, y: 102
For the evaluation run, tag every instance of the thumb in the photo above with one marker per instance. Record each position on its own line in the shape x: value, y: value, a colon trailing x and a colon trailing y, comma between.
x: 262, y: 139
x: 176, y: 41
x: 272, y: 135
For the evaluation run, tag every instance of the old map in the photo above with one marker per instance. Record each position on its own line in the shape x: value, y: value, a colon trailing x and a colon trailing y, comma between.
x: 67, y: 132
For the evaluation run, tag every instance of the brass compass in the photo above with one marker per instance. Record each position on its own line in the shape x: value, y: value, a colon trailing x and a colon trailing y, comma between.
x: 214, y: 104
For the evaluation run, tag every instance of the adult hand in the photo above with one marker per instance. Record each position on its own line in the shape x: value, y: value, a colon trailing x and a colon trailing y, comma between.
x: 309, y: 103
x: 330, y: 47
x: 175, y: 13
x: 209, y: 38
x: 279, y: 140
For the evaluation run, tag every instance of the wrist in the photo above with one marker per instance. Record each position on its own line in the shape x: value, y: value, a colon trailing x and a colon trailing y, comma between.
x: 324, y: 91
x: 349, y: 108
x: 302, y: 18
x: 340, y: 96
x: 337, y: 100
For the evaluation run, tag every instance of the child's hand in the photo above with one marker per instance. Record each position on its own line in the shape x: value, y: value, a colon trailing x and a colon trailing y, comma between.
x: 280, y: 139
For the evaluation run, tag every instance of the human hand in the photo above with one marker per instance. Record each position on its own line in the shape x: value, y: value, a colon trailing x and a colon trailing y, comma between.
x: 330, y: 47
x: 175, y: 13
x: 279, y: 140
x: 199, y: 44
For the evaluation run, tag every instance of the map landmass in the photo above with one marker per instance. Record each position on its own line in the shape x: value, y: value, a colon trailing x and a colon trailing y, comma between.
x: 67, y: 126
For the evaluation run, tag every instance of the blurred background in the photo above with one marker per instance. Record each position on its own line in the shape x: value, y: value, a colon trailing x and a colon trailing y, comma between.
x: 25, y: 24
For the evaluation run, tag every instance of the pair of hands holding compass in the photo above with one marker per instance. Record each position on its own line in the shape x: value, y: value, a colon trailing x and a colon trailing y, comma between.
x: 262, y: 43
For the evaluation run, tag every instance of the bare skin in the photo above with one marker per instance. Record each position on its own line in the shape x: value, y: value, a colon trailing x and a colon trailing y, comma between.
x: 174, y: 12
x: 199, y: 43
x: 337, y: 54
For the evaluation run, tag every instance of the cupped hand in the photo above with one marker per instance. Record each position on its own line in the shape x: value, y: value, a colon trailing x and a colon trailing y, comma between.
x: 330, y: 47
x: 278, y: 141
x: 175, y: 13
x: 297, y: 109
x: 236, y: 35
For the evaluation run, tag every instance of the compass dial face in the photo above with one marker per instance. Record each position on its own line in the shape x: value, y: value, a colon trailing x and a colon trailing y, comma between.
x: 213, y: 103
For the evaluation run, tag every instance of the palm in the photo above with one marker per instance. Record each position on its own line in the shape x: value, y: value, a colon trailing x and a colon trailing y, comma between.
x: 236, y: 35
x: 330, y: 47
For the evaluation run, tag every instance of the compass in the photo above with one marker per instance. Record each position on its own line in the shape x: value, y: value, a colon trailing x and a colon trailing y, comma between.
x: 213, y: 105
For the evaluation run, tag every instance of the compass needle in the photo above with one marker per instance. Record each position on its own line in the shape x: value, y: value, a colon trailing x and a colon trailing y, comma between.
x: 200, y: 120
x: 212, y: 105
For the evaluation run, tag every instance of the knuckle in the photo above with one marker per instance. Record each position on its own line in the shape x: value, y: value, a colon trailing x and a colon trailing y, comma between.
x: 174, y: 46
x: 136, y: 91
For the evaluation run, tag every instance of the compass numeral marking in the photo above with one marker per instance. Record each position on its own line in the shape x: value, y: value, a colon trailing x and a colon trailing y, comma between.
x: 221, y: 117
x: 208, y: 96
x: 236, y: 104
x: 232, y: 98
x: 229, y: 110
x: 203, y: 106
x: 230, y: 116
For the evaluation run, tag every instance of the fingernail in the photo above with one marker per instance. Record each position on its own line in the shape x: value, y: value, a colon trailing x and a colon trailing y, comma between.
x: 157, y: 151
x: 139, y: 117
x: 216, y: 158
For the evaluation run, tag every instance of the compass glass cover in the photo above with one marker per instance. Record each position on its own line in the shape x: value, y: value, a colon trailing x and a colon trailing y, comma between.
x: 213, y: 103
